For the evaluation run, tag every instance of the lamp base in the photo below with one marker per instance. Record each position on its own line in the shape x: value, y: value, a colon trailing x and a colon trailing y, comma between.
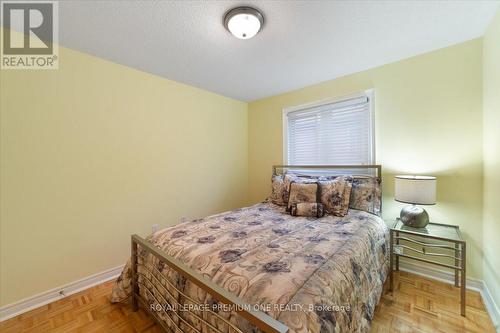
x: 414, y: 216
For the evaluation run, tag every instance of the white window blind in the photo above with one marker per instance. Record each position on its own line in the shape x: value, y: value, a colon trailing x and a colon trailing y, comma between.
x: 334, y: 133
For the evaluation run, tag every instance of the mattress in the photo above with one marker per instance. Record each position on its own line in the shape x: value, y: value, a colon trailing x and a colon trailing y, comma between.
x: 312, y: 274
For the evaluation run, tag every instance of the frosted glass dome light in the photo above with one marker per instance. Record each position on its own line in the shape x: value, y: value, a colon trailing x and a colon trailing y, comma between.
x: 243, y: 22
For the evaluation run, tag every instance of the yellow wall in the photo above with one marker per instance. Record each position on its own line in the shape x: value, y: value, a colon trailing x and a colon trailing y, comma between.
x: 428, y: 120
x: 94, y: 152
x: 491, y: 212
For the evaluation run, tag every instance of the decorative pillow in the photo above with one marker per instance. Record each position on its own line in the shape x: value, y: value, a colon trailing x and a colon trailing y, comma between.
x: 366, y: 195
x: 313, y: 177
x: 310, y: 209
x: 302, y: 192
x: 347, y: 193
x: 289, y: 178
x: 335, y: 194
x: 278, y: 190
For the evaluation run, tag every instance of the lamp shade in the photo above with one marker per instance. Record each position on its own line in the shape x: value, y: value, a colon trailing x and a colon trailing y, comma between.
x: 419, y: 190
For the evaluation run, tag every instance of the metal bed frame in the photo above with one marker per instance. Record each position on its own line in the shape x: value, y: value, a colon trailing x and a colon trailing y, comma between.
x: 255, y: 317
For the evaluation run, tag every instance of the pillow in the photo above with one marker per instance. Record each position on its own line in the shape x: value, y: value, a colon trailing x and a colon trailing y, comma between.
x: 335, y: 195
x: 366, y: 195
x: 289, y: 178
x: 302, y: 192
x: 278, y: 190
x: 347, y: 193
x: 310, y: 209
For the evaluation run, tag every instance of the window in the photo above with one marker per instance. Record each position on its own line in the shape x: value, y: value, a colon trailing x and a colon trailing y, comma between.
x: 331, y: 132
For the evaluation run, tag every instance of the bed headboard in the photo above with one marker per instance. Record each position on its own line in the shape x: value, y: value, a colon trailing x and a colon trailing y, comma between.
x: 373, y: 170
x: 356, y: 171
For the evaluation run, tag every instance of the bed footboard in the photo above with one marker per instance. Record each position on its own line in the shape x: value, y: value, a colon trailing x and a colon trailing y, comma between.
x: 257, y: 318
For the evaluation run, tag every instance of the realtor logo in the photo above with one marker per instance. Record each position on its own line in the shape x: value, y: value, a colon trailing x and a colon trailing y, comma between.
x: 29, y: 35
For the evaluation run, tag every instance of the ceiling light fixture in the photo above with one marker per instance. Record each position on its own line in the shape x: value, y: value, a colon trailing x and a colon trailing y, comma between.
x: 243, y: 22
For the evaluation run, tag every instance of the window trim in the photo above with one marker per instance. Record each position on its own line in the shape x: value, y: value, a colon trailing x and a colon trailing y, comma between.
x: 371, y: 106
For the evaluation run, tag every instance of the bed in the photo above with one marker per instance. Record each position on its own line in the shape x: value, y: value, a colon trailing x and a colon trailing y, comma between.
x: 259, y: 269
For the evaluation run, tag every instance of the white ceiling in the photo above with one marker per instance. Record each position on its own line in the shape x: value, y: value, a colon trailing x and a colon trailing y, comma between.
x: 302, y: 42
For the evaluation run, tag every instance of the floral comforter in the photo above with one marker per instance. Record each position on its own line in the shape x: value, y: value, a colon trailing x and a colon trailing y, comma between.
x: 313, y: 274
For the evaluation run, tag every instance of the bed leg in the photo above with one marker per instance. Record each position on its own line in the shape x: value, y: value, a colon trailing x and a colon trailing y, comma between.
x: 133, y: 267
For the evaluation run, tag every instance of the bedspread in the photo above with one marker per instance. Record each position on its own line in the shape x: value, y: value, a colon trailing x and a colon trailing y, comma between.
x: 313, y: 274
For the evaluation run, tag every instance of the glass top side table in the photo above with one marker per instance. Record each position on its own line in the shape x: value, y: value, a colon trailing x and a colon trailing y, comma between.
x: 435, y: 241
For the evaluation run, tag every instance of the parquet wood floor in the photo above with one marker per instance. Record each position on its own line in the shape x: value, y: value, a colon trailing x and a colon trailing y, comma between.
x: 417, y: 305
x: 420, y: 305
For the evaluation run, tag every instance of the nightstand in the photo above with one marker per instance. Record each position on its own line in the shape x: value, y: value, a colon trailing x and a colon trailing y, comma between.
x: 435, y: 241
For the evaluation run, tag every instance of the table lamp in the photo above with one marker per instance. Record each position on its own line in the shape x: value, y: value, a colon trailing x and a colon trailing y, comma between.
x: 415, y: 190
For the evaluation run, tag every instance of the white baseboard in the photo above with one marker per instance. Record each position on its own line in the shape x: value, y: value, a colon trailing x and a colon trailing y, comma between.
x: 33, y: 302
x: 491, y: 306
x: 449, y: 277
